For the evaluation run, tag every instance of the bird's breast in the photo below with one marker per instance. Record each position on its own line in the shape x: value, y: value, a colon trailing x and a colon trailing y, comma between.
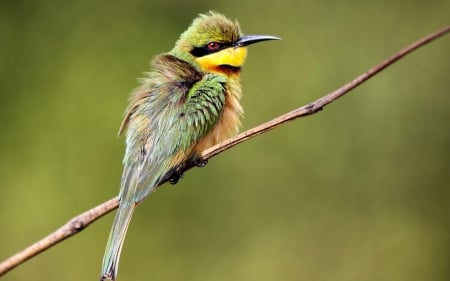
x: 229, y: 122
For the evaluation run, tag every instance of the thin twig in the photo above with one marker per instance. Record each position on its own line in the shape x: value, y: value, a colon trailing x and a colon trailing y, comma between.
x: 80, y: 222
x: 317, y: 105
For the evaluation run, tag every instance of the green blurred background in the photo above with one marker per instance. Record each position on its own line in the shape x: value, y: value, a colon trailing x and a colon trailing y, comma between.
x: 359, y: 191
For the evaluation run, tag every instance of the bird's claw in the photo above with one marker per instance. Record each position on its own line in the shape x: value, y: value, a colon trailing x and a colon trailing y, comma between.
x: 175, y: 177
x: 199, y: 162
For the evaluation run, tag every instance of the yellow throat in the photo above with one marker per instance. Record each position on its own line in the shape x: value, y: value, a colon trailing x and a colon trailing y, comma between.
x: 234, y: 57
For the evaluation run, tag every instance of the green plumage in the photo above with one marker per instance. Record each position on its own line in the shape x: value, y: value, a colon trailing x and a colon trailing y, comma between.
x: 179, y: 111
x: 183, y: 105
x: 174, y: 108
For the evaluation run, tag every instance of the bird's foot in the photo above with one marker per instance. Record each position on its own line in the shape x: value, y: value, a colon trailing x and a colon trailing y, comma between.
x: 199, y: 162
x: 175, y: 177
x: 176, y: 174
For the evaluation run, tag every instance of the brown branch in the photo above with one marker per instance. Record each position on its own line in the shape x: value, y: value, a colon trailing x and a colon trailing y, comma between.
x: 317, y: 105
x: 78, y: 223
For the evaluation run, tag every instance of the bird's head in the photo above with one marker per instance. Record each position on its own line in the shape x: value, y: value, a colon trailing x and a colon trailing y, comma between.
x: 215, y: 43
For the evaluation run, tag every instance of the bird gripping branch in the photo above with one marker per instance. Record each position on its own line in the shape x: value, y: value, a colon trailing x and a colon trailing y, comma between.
x: 187, y: 103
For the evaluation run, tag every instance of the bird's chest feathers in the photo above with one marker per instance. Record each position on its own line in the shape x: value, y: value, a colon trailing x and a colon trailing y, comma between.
x: 229, y: 122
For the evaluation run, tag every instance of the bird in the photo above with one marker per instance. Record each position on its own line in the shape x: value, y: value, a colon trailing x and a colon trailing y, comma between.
x: 189, y: 101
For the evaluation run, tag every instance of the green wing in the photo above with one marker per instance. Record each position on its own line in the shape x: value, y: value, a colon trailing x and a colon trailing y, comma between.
x: 177, y: 117
x: 170, y: 112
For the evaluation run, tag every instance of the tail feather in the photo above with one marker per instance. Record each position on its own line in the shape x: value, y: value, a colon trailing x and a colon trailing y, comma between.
x: 115, y: 241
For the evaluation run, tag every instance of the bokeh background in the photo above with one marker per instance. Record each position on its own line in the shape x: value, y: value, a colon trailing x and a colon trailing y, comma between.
x: 359, y: 191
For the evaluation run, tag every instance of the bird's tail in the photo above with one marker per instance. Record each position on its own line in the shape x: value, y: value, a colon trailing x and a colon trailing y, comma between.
x: 115, y: 241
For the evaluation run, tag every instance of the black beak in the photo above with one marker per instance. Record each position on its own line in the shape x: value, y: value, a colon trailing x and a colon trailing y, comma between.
x: 251, y: 39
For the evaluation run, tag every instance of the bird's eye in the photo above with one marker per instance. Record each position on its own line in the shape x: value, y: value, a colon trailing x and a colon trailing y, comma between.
x: 213, y: 46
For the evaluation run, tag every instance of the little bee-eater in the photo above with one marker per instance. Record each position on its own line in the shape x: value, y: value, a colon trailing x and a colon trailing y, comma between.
x: 188, y: 102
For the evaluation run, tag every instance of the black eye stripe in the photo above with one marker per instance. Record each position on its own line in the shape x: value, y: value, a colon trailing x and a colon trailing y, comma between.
x: 204, y: 50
